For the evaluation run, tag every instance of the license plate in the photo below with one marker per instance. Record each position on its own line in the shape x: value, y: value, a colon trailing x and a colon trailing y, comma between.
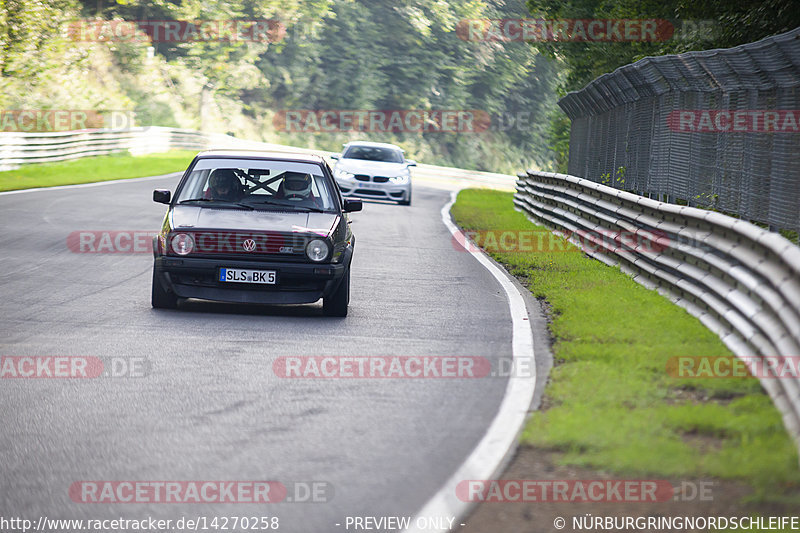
x: 239, y: 275
x: 371, y: 185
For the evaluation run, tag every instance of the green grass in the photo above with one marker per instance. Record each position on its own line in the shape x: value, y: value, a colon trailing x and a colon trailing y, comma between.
x: 611, y: 404
x: 91, y: 169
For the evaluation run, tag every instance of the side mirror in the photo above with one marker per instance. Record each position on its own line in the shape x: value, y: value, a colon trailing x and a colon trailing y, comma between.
x: 411, y: 163
x: 352, y: 205
x: 335, y: 156
x: 162, y: 196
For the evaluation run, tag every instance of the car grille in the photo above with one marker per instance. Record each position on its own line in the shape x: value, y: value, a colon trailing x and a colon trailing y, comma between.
x: 380, y: 179
x: 219, y: 243
x: 362, y: 177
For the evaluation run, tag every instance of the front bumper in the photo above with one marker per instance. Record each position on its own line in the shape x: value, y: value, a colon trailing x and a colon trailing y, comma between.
x: 297, y: 283
x: 379, y: 191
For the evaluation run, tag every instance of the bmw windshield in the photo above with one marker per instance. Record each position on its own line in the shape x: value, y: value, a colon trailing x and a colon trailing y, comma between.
x: 374, y: 153
x: 257, y: 184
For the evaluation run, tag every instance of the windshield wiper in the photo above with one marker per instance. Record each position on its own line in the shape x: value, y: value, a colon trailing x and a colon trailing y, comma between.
x: 293, y: 205
x: 226, y: 202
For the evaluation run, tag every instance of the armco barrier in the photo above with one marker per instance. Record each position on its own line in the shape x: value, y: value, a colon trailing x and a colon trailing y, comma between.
x: 741, y: 281
x: 20, y: 148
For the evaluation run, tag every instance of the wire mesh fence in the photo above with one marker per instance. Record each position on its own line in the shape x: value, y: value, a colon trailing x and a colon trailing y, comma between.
x: 716, y: 129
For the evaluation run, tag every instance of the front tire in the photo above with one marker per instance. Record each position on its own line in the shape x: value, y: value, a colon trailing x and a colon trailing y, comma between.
x: 160, y: 298
x: 407, y: 201
x: 336, y: 304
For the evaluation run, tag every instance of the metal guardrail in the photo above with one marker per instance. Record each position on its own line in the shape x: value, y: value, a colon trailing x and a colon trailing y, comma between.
x: 741, y: 281
x: 21, y: 148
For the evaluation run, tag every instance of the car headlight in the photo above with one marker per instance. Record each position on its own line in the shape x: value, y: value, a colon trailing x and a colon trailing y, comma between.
x: 402, y: 179
x: 342, y: 174
x: 317, y: 250
x: 182, y: 244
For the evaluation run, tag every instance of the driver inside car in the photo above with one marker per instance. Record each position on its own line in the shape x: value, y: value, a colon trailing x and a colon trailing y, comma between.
x: 224, y: 185
x: 297, y: 187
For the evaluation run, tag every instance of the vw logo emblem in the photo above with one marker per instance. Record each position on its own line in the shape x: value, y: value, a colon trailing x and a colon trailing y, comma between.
x: 249, y: 245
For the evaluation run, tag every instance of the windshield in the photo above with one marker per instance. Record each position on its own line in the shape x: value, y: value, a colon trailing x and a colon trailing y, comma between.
x: 374, y: 153
x: 258, y: 184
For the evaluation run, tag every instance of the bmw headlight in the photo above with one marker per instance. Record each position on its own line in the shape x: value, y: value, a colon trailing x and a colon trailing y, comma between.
x: 402, y: 179
x: 317, y: 250
x: 342, y: 174
x: 182, y: 243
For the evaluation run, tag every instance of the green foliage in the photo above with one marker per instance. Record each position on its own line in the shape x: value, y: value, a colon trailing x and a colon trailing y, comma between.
x: 706, y: 200
x: 389, y: 55
x: 30, y: 43
x: 29, y: 34
x: 698, y: 26
x: 336, y: 54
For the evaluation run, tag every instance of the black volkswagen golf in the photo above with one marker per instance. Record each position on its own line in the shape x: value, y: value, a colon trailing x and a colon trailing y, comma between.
x: 255, y: 227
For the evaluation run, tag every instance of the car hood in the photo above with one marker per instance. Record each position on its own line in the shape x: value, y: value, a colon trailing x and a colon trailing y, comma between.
x: 379, y: 168
x: 197, y: 217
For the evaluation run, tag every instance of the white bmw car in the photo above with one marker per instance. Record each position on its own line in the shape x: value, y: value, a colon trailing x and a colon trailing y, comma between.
x: 374, y: 170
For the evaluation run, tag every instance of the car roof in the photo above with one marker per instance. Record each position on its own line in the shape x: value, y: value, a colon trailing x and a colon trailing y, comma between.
x: 260, y: 154
x: 374, y: 145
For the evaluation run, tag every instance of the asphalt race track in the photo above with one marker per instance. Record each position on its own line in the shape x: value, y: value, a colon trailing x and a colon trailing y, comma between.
x: 211, y: 406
